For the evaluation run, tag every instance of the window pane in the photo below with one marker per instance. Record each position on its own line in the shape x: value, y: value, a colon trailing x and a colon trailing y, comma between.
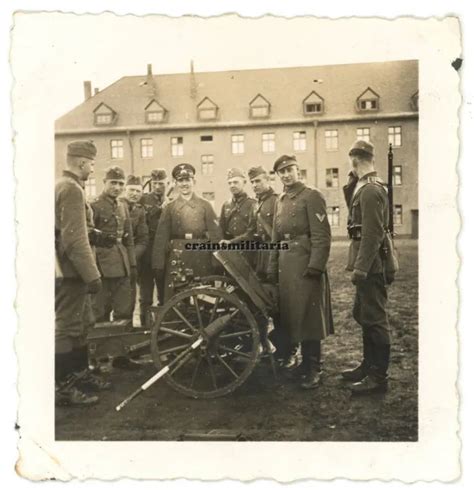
x: 206, y: 137
x: 268, y: 142
x: 398, y: 214
x: 395, y: 135
x: 260, y: 111
x: 207, y: 113
x: 177, y: 147
x: 332, y: 140
x: 116, y: 149
x: 299, y: 140
x: 237, y: 143
x: 146, y: 147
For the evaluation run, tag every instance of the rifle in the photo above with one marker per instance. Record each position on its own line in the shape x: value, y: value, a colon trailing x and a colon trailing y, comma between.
x: 390, y: 190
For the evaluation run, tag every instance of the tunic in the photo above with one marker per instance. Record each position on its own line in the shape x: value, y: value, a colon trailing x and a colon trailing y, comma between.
x: 301, y: 221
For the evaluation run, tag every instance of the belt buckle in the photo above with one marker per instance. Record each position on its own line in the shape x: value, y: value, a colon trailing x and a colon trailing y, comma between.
x: 287, y: 236
x: 188, y: 236
x: 119, y: 240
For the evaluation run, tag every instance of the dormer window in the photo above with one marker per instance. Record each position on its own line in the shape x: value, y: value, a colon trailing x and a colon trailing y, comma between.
x: 259, y: 107
x: 155, y: 112
x: 207, y: 110
x: 414, y: 101
x: 313, y: 104
x: 104, y: 115
x: 368, y: 101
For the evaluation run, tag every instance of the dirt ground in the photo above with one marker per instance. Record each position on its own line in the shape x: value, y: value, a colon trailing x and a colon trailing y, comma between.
x: 264, y: 409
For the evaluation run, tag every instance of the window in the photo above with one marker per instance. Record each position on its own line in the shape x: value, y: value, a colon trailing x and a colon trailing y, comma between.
x: 207, y: 138
x: 146, y: 147
x: 257, y: 112
x: 238, y: 145
x: 395, y: 135
x: 303, y: 175
x: 368, y: 105
x: 332, y: 177
x: 313, y: 104
x: 299, y: 141
x: 177, y: 146
x: 104, y: 115
x: 268, y: 142
x: 363, y: 134
x: 368, y: 100
x: 397, y: 175
x: 313, y: 108
x: 207, y: 164
x: 103, y: 119
x: 333, y: 215
x: 154, y: 112
x: 90, y: 188
x: 398, y: 214
x: 207, y: 109
x: 259, y: 107
x: 208, y: 113
x: 116, y: 149
x: 332, y: 139
x: 210, y: 196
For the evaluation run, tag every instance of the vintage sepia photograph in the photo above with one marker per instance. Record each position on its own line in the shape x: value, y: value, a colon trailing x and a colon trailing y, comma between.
x: 240, y: 156
x: 237, y: 235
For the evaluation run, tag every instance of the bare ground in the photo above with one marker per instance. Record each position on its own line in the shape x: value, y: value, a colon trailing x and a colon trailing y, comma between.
x: 264, y: 409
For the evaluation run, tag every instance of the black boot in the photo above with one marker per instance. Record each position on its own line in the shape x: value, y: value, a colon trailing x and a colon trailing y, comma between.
x: 88, y: 381
x: 66, y: 393
x: 376, y: 380
x: 292, y: 361
x: 361, y: 371
x: 312, y: 352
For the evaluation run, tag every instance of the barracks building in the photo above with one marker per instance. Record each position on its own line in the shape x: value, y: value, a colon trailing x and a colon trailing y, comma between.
x: 244, y: 118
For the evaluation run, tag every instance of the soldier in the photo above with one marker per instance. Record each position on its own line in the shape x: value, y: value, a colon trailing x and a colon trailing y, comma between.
x: 115, y: 258
x: 237, y: 211
x: 305, y: 306
x: 153, y: 205
x: 77, y: 278
x: 133, y: 194
x: 367, y: 200
x: 186, y: 218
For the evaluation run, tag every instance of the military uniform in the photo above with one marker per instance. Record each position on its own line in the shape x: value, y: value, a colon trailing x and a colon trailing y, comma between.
x: 112, y: 218
x: 301, y: 222
x: 368, y: 218
x: 153, y: 205
x: 77, y: 276
x: 140, y: 240
x: 184, y: 220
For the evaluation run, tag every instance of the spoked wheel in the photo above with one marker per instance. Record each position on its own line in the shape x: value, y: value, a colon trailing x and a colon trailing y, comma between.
x: 229, y: 348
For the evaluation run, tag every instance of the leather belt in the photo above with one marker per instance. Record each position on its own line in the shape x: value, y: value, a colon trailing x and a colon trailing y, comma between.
x: 289, y: 236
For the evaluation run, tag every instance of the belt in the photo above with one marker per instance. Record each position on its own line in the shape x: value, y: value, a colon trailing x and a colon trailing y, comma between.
x: 188, y: 236
x: 289, y: 236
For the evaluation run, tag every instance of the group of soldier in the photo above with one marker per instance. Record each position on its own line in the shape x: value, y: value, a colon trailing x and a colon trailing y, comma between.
x: 106, y: 248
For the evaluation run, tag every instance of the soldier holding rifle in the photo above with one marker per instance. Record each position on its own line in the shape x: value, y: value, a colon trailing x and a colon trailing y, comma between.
x: 368, y: 226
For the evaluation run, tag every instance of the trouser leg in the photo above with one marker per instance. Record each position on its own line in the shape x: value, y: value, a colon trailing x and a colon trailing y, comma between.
x: 311, y: 351
x: 147, y: 285
x: 121, y: 297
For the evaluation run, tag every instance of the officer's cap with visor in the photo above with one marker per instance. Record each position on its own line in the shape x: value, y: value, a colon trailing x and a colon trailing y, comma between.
x: 283, y: 162
x: 183, y: 171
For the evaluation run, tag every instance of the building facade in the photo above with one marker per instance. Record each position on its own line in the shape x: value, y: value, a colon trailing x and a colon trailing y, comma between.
x: 218, y: 120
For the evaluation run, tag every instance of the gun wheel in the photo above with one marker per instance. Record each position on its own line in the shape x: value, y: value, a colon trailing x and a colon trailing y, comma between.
x: 225, y: 358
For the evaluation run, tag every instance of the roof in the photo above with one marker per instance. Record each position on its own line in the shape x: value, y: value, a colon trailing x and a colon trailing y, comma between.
x: 232, y: 91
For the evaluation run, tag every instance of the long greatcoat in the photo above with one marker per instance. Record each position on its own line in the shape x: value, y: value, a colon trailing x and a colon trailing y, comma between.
x: 300, y: 220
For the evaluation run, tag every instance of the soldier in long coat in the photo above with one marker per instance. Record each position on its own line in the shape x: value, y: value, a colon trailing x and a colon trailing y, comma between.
x: 153, y: 203
x: 77, y: 277
x: 368, y: 220
x: 115, y: 258
x: 301, y: 221
x: 188, y: 218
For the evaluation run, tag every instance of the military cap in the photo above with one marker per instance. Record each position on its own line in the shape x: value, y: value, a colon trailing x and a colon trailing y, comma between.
x: 158, y: 174
x: 255, y: 171
x: 235, y: 172
x: 283, y: 162
x: 361, y: 146
x: 133, y: 180
x: 114, y: 173
x: 183, y: 171
x: 82, y: 148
